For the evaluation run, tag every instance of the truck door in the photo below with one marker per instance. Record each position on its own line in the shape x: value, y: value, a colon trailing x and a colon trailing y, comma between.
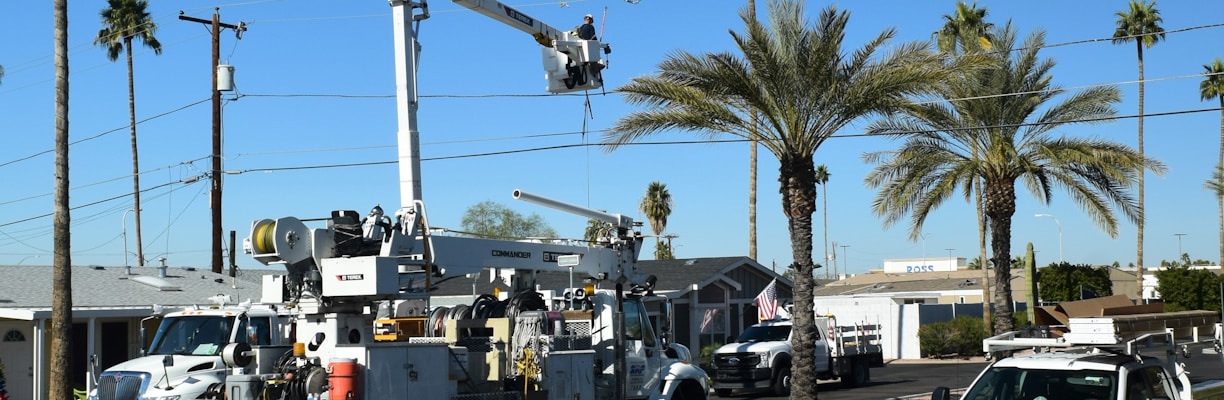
x: 642, y: 348
x: 822, y: 344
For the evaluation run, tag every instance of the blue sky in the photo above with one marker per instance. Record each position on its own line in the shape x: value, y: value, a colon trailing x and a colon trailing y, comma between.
x: 315, y: 88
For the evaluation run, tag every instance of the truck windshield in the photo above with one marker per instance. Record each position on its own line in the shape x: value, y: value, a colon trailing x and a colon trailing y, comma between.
x: 765, y: 334
x: 1023, y: 384
x: 194, y: 335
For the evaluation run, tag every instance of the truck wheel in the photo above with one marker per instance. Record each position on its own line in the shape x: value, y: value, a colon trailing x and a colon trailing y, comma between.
x: 858, y: 375
x: 782, y: 383
x: 689, y: 390
x: 722, y: 392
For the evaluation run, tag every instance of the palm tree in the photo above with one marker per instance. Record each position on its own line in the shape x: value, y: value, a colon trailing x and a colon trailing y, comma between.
x: 656, y: 205
x: 1216, y: 186
x: 1141, y: 23
x: 822, y: 179
x: 1014, y: 136
x: 965, y: 30
x: 804, y: 88
x: 1211, y: 87
x: 122, y: 21
x: 59, y: 380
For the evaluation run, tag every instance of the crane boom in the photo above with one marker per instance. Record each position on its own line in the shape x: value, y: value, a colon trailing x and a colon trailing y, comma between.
x: 544, y: 34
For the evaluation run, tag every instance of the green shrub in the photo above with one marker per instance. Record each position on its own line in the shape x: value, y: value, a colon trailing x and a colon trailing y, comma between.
x: 706, y: 357
x: 961, y: 336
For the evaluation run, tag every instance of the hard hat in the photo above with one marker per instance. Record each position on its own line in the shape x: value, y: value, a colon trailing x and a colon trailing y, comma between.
x: 588, y: 16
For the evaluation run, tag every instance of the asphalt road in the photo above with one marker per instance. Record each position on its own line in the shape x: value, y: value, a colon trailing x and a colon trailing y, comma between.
x: 902, y: 378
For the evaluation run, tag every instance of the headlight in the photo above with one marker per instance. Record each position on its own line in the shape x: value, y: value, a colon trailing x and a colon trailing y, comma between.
x: 764, y: 355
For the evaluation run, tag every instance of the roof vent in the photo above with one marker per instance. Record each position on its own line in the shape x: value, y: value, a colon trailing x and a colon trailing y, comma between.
x: 161, y: 284
x: 690, y: 262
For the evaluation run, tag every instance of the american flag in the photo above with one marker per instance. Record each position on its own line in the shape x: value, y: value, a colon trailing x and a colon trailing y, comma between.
x: 767, y: 302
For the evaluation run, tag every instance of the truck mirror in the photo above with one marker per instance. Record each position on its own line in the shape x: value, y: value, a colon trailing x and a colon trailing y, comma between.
x: 941, y: 393
x: 665, y: 321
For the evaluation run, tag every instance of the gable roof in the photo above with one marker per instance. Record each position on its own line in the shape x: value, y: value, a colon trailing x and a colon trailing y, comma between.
x: 26, y: 291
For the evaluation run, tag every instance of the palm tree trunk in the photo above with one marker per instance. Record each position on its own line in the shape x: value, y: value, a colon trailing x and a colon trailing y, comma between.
x: 1219, y: 195
x: 1142, y: 173
x: 59, y: 382
x: 1000, y: 197
x: 752, y: 173
x: 752, y: 198
x: 981, y: 219
x: 797, y: 180
x: 127, y: 43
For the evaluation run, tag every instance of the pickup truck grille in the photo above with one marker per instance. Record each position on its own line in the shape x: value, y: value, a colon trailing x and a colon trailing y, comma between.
x: 736, y: 360
x: 121, y: 385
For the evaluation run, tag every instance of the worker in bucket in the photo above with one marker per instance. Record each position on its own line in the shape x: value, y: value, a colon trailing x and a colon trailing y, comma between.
x: 586, y: 31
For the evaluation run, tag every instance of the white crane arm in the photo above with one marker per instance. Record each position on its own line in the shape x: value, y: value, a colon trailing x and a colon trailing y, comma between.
x: 543, y: 33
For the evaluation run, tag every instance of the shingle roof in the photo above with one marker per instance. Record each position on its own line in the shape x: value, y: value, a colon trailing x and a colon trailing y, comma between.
x: 25, y: 291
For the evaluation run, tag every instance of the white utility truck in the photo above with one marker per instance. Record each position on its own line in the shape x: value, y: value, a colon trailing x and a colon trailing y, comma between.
x: 760, y: 358
x: 1121, y: 357
x: 362, y: 324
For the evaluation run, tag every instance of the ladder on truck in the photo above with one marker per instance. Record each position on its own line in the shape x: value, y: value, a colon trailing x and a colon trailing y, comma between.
x: 1125, y: 333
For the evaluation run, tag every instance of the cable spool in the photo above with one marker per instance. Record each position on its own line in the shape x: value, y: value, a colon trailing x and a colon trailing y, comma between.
x: 237, y: 355
x: 263, y: 239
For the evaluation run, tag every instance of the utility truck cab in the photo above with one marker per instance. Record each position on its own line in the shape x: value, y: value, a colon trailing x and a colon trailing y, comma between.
x: 760, y: 358
x: 188, y: 353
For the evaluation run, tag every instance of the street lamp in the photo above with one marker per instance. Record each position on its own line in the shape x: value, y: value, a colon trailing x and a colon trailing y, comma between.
x: 923, y: 236
x: 950, y: 258
x: 1179, y: 249
x: 27, y: 258
x: 125, y: 249
x: 845, y: 261
x: 1060, y: 253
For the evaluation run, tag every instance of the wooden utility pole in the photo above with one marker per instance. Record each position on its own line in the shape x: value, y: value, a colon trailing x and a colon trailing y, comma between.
x: 218, y: 264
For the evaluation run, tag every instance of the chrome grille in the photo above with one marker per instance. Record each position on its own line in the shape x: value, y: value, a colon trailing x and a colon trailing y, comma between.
x: 121, y: 385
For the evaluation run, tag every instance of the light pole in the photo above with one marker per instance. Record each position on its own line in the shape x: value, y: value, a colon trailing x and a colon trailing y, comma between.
x: 125, y: 249
x: 1179, y: 249
x: 950, y: 258
x: 923, y: 236
x: 845, y: 261
x: 1060, y: 253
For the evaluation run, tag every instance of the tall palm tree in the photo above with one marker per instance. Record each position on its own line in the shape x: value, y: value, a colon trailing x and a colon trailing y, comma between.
x: 822, y: 179
x: 1141, y: 24
x: 1014, y: 134
x: 656, y: 205
x: 1212, y: 87
x: 1216, y: 186
x: 123, y: 21
x: 59, y: 379
x: 965, y: 30
x: 804, y: 88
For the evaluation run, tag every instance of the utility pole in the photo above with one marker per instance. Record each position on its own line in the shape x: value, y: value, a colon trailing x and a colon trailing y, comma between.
x: 218, y: 264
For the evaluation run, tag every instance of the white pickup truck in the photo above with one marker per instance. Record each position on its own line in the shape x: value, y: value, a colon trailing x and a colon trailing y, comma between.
x: 760, y: 358
x: 1121, y: 357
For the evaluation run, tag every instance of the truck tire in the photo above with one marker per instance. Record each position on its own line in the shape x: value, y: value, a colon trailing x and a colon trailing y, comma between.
x: 722, y: 392
x: 859, y: 375
x: 689, y: 390
x: 782, y: 382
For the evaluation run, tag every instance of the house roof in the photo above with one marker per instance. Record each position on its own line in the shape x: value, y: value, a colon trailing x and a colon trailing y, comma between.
x: 930, y: 282
x: 676, y: 276
x: 26, y: 291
